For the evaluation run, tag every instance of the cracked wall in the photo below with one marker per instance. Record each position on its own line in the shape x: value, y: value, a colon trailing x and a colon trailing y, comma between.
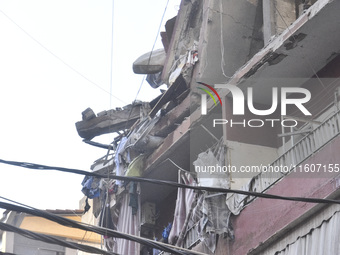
x: 230, y: 35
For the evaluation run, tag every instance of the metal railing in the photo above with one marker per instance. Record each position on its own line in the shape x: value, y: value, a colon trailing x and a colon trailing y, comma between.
x: 311, y: 143
x: 294, y: 156
x: 300, y: 151
x: 192, y: 237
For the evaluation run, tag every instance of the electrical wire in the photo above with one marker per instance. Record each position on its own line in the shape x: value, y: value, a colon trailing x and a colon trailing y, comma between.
x: 321, y: 97
x: 106, y: 203
x: 152, y: 49
x: 172, y: 184
x: 99, y: 230
x: 89, y: 225
x: 221, y: 41
x: 302, y: 54
x: 33, y: 208
x: 60, y: 59
x: 306, y: 60
x: 53, y: 240
x: 111, y: 61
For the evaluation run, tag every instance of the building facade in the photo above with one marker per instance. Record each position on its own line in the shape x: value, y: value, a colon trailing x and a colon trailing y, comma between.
x: 15, y: 243
x: 251, y: 105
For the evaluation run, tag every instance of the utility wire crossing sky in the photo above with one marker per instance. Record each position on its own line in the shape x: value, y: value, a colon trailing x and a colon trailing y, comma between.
x: 57, y: 59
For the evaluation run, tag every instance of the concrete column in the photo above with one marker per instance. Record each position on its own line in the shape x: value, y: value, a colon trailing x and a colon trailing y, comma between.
x: 268, y: 24
x: 227, y: 36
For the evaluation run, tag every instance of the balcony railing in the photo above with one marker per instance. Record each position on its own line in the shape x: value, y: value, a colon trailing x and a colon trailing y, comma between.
x: 299, y: 152
x: 192, y: 237
x: 311, y: 143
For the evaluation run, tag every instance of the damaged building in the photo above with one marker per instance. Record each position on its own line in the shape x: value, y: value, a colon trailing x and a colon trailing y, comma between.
x: 251, y: 105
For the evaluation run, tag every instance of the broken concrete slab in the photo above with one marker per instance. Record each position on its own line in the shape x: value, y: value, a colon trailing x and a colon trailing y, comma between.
x: 112, y: 121
x: 150, y: 63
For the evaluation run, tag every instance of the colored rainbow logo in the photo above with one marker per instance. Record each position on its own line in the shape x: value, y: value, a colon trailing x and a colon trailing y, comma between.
x: 209, y: 93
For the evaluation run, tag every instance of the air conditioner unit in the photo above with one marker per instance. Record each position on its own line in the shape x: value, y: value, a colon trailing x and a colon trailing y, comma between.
x: 148, y: 213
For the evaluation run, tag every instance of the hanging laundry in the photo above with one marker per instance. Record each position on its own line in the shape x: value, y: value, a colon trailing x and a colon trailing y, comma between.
x: 120, y: 166
x: 106, y: 218
x: 206, y: 178
x: 212, y: 215
x: 127, y: 223
x: 87, y: 206
x: 155, y: 251
x: 166, y: 232
x: 184, y: 202
x: 133, y: 202
x: 155, y: 80
x: 135, y: 168
x: 91, y: 186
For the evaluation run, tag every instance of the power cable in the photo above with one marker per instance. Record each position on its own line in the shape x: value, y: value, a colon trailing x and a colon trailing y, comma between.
x: 86, y: 224
x: 60, y: 59
x: 172, y: 184
x: 152, y: 49
x: 154, y: 43
x: 295, y: 41
x: 321, y: 97
x: 99, y: 230
x: 222, y: 41
x: 53, y: 240
x: 306, y: 60
x: 33, y: 208
x: 106, y: 203
x: 111, y: 61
